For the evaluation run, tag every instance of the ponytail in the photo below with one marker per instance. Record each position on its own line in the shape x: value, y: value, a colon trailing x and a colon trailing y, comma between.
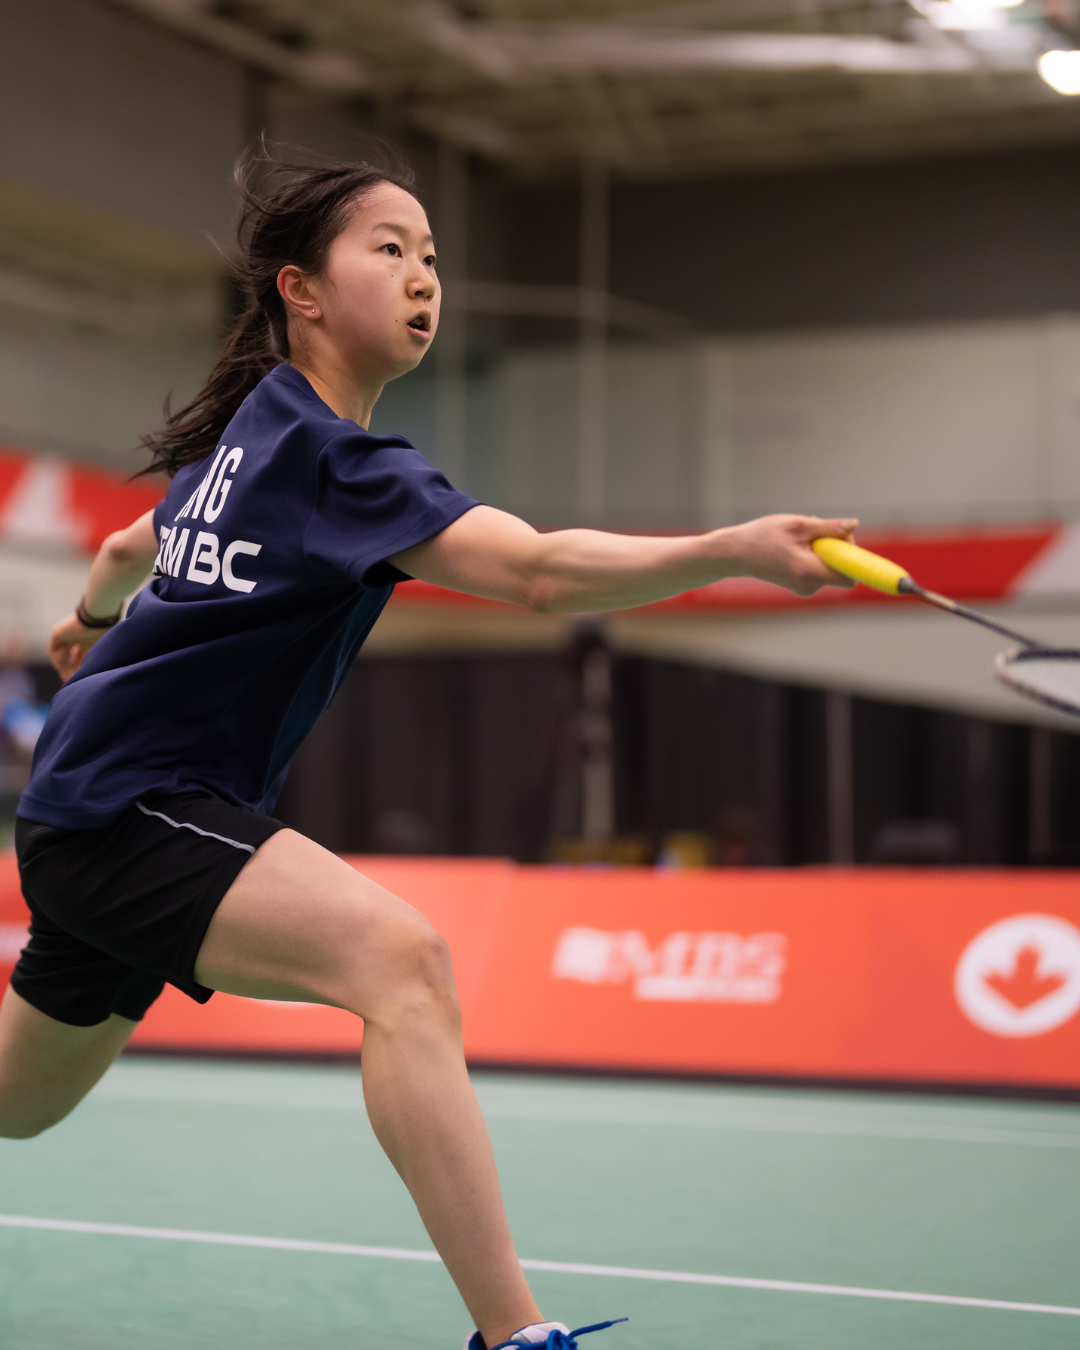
x: 293, y: 223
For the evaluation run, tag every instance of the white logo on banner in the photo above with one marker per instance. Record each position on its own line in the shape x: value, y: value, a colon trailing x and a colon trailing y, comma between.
x: 1021, y: 977
x: 684, y: 968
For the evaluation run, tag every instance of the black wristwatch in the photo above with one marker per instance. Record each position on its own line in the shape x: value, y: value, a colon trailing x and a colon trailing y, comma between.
x: 89, y: 621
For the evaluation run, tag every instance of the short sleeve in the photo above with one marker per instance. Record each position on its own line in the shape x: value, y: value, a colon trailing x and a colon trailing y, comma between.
x: 375, y: 496
x: 159, y: 516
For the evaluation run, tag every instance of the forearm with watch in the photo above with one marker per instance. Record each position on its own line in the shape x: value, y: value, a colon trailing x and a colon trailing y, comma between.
x: 119, y: 569
x: 88, y: 620
x: 122, y: 564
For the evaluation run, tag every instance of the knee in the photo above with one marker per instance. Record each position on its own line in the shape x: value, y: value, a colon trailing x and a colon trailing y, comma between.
x: 25, y: 1115
x: 19, y: 1126
x: 428, y: 966
x: 416, y: 977
x: 21, y: 1131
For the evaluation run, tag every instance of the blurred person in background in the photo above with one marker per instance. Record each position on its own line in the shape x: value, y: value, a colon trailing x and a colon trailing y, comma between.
x: 22, y: 716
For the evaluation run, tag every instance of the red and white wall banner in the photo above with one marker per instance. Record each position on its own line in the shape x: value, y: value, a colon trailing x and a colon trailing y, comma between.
x: 50, y: 502
x: 55, y: 504
x: 869, y: 974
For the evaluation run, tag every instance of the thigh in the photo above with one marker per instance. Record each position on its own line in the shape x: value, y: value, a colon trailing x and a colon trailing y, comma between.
x: 46, y: 1066
x: 298, y: 923
x: 138, y: 893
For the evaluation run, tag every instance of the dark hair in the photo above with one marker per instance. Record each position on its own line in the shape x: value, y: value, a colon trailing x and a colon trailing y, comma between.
x: 293, y: 220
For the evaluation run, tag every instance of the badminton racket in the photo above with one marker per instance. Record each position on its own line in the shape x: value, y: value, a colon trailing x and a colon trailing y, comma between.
x: 1049, y: 675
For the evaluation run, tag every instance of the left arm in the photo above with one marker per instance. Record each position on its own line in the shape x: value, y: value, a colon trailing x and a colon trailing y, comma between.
x: 122, y: 564
x: 499, y: 557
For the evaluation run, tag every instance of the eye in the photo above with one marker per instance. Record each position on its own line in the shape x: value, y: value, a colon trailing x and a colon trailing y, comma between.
x: 394, y: 250
x: 429, y: 261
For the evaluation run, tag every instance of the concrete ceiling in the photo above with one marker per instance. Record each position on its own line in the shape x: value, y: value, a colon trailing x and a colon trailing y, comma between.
x: 654, y: 89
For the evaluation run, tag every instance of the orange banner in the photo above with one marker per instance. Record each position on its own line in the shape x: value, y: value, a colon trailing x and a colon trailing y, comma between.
x: 958, y: 976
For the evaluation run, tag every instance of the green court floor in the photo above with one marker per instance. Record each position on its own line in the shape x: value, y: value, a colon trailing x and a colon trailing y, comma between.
x: 954, y: 1197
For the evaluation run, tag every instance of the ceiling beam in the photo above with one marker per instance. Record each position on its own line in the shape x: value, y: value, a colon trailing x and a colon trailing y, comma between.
x: 511, y: 52
x: 321, y: 69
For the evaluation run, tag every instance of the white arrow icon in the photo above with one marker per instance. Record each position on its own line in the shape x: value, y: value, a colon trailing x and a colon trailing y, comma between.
x: 1021, y: 976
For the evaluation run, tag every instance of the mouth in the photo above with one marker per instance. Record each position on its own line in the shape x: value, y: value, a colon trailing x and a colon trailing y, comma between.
x: 421, y: 323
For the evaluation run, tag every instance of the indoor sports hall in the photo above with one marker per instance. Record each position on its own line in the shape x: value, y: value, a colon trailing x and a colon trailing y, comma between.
x: 763, y: 907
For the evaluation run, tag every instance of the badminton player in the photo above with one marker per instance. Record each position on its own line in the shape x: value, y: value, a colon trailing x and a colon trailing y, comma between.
x: 146, y: 846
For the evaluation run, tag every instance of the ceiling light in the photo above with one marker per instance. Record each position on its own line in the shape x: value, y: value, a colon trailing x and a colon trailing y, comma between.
x: 957, y: 18
x: 966, y: 15
x: 1061, y: 71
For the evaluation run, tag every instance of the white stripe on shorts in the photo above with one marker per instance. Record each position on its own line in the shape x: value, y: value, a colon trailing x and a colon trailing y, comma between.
x: 186, y: 825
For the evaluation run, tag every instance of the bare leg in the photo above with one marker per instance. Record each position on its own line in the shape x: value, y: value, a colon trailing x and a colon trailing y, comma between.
x: 298, y: 922
x: 47, y: 1067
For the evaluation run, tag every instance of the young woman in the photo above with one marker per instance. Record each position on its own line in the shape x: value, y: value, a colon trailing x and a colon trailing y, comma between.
x: 145, y: 846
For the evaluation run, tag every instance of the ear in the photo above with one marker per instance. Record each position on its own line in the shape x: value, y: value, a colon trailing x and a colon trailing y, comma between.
x: 295, y: 290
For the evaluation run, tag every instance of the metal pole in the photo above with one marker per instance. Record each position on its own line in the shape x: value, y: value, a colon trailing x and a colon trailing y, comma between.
x: 983, y: 833
x: 452, y: 226
x: 1040, y: 794
x: 839, y: 779
x: 592, y: 344
x: 597, y: 737
x: 772, y: 774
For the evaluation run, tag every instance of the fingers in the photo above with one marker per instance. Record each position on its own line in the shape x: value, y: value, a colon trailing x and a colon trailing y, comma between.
x: 825, y: 574
x: 838, y: 579
x: 68, y: 644
x: 831, y: 578
x: 842, y: 527
x: 65, y: 658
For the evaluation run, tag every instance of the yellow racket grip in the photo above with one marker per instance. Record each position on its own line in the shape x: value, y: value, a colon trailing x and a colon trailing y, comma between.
x: 860, y: 564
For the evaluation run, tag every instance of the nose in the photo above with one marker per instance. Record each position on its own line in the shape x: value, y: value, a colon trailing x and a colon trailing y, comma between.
x: 422, y: 284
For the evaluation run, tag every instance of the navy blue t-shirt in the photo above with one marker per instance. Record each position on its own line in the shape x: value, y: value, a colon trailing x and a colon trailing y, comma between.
x: 270, y: 573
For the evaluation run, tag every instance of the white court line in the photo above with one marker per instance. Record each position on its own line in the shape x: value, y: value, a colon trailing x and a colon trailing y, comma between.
x: 555, y: 1267
x: 618, y: 1114
x: 215, y: 1239
x: 943, y: 1134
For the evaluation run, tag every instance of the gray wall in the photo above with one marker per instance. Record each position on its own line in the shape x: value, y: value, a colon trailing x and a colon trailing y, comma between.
x: 115, y: 175
x: 115, y: 171
x: 119, y: 114
x: 962, y: 237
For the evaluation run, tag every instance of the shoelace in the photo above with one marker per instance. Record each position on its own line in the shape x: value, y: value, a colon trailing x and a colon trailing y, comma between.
x: 558, y: 1340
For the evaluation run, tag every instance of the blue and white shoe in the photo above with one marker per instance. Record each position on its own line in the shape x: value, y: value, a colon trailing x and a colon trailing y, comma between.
x: 547, y: 1335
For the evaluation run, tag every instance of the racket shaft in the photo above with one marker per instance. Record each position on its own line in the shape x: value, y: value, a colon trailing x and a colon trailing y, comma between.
x: 952, y: 607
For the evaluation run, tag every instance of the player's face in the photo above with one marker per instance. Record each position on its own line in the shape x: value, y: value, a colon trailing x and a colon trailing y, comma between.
x: 378, y: 292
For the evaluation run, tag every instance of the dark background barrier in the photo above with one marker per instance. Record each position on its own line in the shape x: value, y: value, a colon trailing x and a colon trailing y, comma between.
x: 482, y: 755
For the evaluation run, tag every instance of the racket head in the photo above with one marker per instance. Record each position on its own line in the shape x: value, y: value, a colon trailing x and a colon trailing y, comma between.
x: 1049, y: 675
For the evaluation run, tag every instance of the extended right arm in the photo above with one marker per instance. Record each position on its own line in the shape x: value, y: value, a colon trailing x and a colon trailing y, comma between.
x: 495, y: 555
x: 122, y: 564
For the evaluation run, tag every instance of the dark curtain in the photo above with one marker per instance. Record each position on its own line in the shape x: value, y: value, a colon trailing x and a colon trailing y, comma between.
x: 477, y: 755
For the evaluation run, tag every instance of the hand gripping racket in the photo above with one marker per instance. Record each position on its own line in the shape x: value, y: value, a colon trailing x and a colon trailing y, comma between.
x: 1050, y: 675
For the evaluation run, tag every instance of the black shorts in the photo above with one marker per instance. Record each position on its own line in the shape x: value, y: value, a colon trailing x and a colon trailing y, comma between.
x: 117, y: 912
